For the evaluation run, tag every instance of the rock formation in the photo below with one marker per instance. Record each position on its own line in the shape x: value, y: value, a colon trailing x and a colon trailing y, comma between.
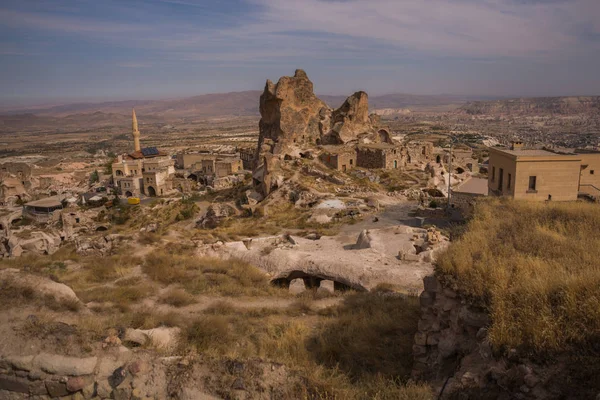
x: 352, y: 122
x: 293, y: 119
x: 289, y: 113
x: 452, y: 352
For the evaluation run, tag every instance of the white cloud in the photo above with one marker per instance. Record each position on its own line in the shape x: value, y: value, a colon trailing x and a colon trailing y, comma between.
x: 480, y: 28
x: 352, y: 29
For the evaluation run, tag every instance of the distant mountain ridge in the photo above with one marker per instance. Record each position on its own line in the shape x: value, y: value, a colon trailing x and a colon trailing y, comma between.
x: 535, y: 105
x: 225, y: 104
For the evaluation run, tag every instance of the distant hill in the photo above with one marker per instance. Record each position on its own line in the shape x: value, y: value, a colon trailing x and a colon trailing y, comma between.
x: 208, y: 105
x: 534, y: 105
x: 222, y: 104
x: 94, y: 120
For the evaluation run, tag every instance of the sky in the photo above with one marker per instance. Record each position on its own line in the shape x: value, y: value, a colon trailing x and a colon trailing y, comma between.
x: 86, y: 50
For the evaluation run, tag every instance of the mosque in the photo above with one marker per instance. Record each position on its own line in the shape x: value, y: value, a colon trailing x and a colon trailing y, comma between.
x: 147, y: 170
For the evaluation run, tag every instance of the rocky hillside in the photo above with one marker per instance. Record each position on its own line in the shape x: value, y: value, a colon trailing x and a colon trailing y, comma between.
x: 534, y: 106
x: 513, y: 310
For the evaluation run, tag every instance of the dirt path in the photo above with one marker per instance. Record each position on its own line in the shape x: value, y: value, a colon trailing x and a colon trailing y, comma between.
x: 204, y: 302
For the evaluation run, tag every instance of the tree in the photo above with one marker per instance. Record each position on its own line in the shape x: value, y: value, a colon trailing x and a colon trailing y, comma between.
x: 94, y: 177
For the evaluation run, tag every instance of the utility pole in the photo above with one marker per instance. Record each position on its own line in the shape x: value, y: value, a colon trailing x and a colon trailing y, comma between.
x: 450, y: 176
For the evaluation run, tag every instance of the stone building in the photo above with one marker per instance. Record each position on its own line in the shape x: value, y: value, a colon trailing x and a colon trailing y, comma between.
x: 589, y: 181
x: 419, y: 151
x: 528, y: 174
x: 43, y: 210
x: 15, y: 180
x: 381, y: 155
x: 220, y: 167
x: 248, y: 157
x: 21, y: 171
x: 466, y: 194
x: 147, y: 171
x: 341, y: 158
x: 12, y: 191
x: 187, y: 160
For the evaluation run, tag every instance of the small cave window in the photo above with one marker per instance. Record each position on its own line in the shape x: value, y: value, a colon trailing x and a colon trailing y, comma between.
x: 591, y: 172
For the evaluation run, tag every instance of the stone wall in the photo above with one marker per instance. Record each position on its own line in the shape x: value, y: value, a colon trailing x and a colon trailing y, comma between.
x: 342, y: 161
x: 388, y: 157
x: 117, y: 374
x: 465, y: 202
x: 370, y: 158
x: 452, y: 352
x: 420, y: 152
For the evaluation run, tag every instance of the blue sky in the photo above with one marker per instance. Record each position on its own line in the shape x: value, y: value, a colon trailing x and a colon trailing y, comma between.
x: 136, y: 49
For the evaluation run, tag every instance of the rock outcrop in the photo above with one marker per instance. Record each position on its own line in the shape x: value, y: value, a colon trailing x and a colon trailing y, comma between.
x: 352, y: 122
x: 37, y: 286
x: 451, y: 351
x: 289, y: 113
x: 293, y: 119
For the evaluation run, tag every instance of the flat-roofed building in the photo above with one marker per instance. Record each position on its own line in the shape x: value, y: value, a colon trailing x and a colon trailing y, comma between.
x: 381, y: 155
x: 528, y: 174
x: 589, y: 181
x: 342, y: 158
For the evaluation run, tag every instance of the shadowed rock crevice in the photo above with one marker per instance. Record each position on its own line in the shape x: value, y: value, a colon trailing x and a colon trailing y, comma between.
x: 313, y: 281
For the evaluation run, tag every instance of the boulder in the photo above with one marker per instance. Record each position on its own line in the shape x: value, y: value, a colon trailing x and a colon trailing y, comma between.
x: 40, y: 286
x: 62, y: 365
x: 363, y: 241
x: 161, y: 337
x: 98, y: 246
x: 38, y: 243
x: 297, y: 286
x: 327, y: 286
x: 214, y: 215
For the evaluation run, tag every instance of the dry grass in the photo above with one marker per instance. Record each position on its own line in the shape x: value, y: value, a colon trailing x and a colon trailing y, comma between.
x: 120, y: 295
x: 372, y: 335
x: 363, y: 351
x: 42, y: 263
x: 16, y: 295
x: 535, y: 267
x: 177, y: 298
x: 208, y: 275
x: 103, y: 269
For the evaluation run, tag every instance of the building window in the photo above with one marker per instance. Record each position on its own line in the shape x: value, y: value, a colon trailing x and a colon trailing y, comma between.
x: 592, y: 172
x: 532, y: 182
x: 493, y: 174
x: 509, y: 181
x: 501, y: 180
x: 351, y: 161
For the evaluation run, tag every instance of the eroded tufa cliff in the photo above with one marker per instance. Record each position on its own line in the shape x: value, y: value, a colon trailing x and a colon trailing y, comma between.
x: 294, y: 119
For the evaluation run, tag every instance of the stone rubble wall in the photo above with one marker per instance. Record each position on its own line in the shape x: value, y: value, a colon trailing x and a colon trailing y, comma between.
x: 116, y: 374
x: 451, y: 351
x: 465, y: 202
x: 370, y: 158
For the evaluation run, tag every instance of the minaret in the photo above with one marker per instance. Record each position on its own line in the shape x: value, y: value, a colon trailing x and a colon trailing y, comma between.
x: 135, y: 132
